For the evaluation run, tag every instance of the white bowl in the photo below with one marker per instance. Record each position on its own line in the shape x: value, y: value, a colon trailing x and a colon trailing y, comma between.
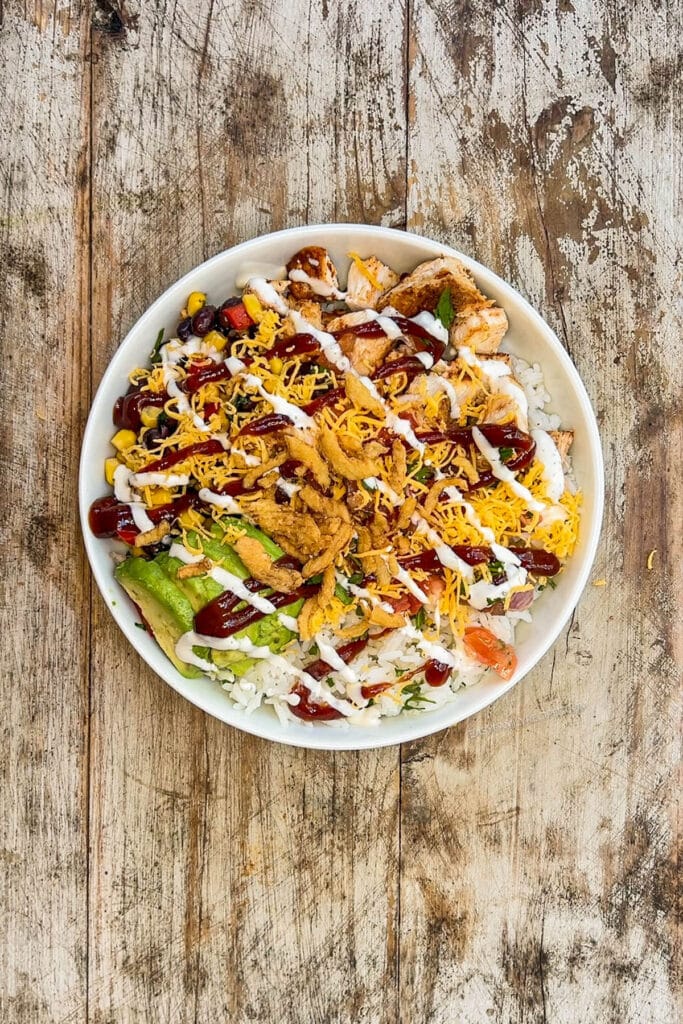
x: 529, y: 336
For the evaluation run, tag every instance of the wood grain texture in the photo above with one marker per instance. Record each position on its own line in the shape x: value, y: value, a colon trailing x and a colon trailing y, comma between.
x: 539, y: 839
x: 44, y: 308
x: 230, y: 876
x: 522, y: 867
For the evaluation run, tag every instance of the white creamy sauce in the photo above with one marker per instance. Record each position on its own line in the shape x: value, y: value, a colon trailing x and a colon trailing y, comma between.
x: 122, y: 489
x: 288, y: 487
x: 404, y: 577
x: 249, y: 460
x: 187, y: 641
x: 160, y: 479
x: 224, y: 501
x: 267, y: 271
x: 288, y: 621
x: 140, y: 517
x: 448, y: 558
x: 235, y: 366
x: 508, y: 387
x: 330, y: 656
x: 426, y: 359
x: 328, y: 343
x: 493, y: 368
x: 390, y: 328
x: 267, y: 295
x: 322, y: 288
x: 504, y: 555
x: 280, y: 405
x: 436, y: 383
x: 482, y: 594
x: 431, y: 324
x: 173, y: 391
x: 432, y: 650
x: 502, y: 473
x: 551, y: 460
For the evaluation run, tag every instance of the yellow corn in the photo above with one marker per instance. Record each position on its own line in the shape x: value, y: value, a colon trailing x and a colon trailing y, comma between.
x: 190, y: 519
x: 216, y: 340
x: 253, y: 307
x: 160, y: 496
x: 276, y: 365
x: 109, y: 470
x: 195, y: 301
x: 149, y: 416
x: 123, y: 439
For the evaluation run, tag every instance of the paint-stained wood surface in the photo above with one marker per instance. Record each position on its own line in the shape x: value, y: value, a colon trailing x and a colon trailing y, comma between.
x: 159, y: 867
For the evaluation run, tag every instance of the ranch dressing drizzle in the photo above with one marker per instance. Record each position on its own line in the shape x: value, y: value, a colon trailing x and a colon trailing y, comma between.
x: 280, y: 405
x: 169, y: 357
x: 235, y: 585
x: 160, y: 479
x: 249, y: 460
x: 432, y: 650
x: 140, y: 517
x: 337, y: 664
x: 188, y: 640
x: 223, y: 501
x: 267, y: 295
x: 501, y: 553
x: 327, y: 291
x: 502, y: 473
x: 551, y: 461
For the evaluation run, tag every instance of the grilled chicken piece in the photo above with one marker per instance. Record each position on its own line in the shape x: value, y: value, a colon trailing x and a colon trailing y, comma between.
x: 366, y: 354
x: 313, y: 275
x: 563, y: 441
x: 423, y: 288
x: 481, y: 329
x: 363, y: 290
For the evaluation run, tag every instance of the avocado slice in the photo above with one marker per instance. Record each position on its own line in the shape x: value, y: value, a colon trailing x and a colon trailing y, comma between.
x: 162, y: 603
x: 267, y: 632
x: 198, y: 590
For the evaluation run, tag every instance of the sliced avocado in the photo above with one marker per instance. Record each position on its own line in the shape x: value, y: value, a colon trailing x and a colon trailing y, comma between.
x: 199, y: 590
x: 220, y: 553
x: 162, y: 603
x: 267, y: 632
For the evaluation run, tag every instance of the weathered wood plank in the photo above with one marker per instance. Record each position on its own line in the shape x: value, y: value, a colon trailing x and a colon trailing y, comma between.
x: 538, y: 840
x: 45, y: 587
x: 232, y: 879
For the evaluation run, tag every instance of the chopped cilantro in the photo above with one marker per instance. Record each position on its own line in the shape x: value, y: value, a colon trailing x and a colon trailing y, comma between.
x: 155, y: 355
x: 505, y: 453
x: 444, y: 309
x: 419, y: 619
x: 551, y: 583
x: 314, y: 650
x: 342, y: 595
x: 356, y: 579
x: 242, y: 403
x: 496, y: 567
x: 142, y: 626
x: 423, y: 474
x: 415, y: 697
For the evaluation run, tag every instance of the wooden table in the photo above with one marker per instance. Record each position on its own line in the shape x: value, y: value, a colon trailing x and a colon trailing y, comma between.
x: 158, y: 866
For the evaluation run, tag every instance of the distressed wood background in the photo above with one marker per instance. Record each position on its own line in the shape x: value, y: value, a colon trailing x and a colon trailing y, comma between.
x: 159, y: 867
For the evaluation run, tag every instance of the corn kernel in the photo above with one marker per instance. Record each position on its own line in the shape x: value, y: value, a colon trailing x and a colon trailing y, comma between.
x: 276, y: 365
x: 123, y: 439
x: 109, y: 470
x: 190, y: 519
x: 216, y: 340
x: 160, y: 496
x: 253, y: 307
x: 195, y: 301
x: 149, y: 415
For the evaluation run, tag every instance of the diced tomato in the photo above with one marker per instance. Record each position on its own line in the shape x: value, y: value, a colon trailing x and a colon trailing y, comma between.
x: 405, y: 603
x: 238, y: 317
x: 489, y: 650
x: 127, y: 536
x: 433, y: 587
